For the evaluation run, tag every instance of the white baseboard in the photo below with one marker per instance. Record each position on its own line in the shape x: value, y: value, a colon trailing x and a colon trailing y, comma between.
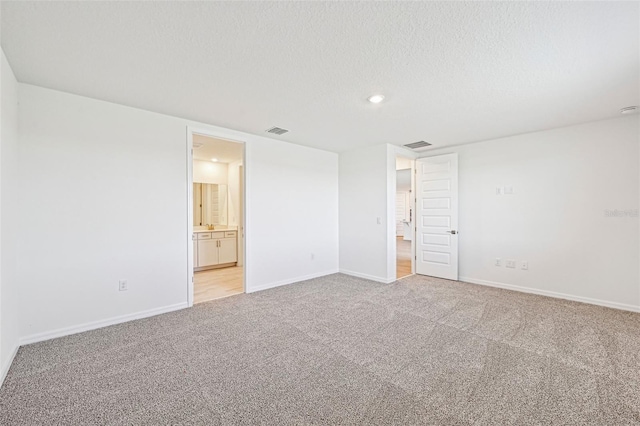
x: 367, y: 276
x: 614, y: 305
x: 7, y: 364
x: 291, y: 281
x: 60, y: 332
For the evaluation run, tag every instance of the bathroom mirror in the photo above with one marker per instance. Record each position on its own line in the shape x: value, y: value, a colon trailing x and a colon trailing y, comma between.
x: 209, y: 204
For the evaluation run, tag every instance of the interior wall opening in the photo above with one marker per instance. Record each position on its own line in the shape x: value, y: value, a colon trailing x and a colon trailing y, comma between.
x: 217, y: 216
x: 404, y: 213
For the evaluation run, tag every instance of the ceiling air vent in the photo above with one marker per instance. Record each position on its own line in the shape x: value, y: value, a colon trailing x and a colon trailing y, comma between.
x: 418, y: 145
x: 277, y: 131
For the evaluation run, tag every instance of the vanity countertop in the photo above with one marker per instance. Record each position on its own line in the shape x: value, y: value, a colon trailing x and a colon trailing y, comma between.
x: 195, y: 231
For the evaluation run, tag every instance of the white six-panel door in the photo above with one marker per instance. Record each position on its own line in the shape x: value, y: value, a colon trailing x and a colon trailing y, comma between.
x: 437, y: 216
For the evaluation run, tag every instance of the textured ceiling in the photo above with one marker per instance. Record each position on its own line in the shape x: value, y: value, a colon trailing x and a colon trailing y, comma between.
x: 205, y: 148
x: 452, y: 72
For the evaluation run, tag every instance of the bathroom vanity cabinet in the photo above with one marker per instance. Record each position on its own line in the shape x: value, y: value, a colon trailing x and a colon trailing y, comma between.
x: 215, y: 248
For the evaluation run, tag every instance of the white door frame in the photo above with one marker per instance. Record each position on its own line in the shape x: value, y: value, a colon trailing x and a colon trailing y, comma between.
x: 242, y: 227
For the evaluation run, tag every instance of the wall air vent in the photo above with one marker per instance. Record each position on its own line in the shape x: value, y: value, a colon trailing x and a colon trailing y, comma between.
x: 418, y: 145
x: 277, y: 131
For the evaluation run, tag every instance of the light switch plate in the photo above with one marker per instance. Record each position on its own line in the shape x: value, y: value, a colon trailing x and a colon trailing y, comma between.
x: 511, y: 263
x: 122, y: 285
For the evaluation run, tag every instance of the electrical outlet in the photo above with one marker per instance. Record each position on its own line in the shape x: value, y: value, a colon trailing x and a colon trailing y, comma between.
x: 498, y: 190
x: 313, y: 256
x: 379, y: 220
x: 524, y: 265
x: 498, y: 261
x: 122, y: 285
x: 511, y: 263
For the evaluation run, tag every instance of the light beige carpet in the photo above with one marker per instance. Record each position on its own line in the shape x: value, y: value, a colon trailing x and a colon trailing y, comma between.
x: 341, y: 350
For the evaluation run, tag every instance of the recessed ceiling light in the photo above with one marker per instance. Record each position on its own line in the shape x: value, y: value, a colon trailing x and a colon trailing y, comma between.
x: 215, y: 160
x: 629, y: 109
x: 375, y: 99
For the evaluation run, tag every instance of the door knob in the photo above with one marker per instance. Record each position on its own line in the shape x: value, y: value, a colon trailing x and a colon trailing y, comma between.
x: 453, y: 232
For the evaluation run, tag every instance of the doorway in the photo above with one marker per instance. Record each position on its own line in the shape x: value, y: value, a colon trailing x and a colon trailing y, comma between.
x: 404, y: 212
x: 216, y: 217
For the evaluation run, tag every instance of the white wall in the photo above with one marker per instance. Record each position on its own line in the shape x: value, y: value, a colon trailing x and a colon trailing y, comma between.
x: 102, y: 210
x: 563, y: 181
x: 234, y: 192
x: 368, y: 192
x: 403, y: 163
x: 364, y: 213
x: 403, y: 180
x: 292, y: 212
x: 8, y: 216
x: 235, y: 205
x: 210, y: 172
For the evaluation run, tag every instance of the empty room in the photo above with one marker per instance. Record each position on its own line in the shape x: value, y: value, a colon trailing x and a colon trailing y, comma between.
x: 372, y: 213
